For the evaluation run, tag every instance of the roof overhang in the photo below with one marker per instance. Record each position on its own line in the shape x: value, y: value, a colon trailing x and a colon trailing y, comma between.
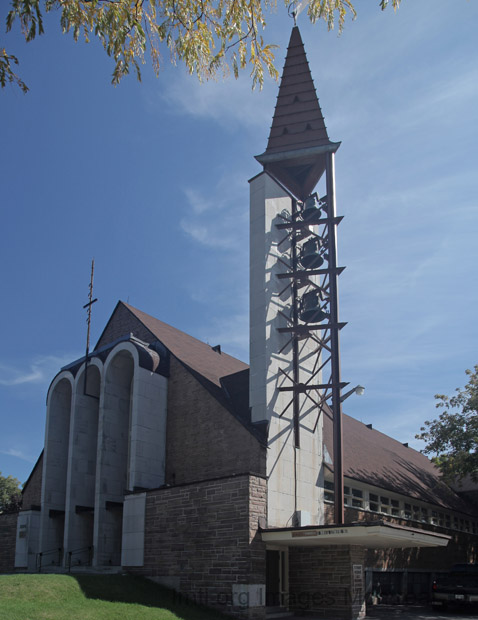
x: 373, y: 535
x: 299, y: 170
x: 312, y: 151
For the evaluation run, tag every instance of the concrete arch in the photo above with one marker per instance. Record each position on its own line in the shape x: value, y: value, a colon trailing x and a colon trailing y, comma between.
x: 113, y: 465
x: 82, y: 464
x: 131, y: 440
x: 55, y: 463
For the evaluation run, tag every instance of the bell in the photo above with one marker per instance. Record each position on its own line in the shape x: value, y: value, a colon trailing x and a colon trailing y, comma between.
x: 310, y: 310
x: 309, y: 255
x: 311, y: 208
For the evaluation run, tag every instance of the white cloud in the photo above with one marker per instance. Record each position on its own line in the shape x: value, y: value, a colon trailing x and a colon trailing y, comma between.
x: 219, y: 219
x: 230, y: 102
x: 41, y: 370
x: 19, y: 454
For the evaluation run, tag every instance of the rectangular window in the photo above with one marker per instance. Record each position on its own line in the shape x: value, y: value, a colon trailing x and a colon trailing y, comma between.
x: 357, y: 493
x: 373, y: 497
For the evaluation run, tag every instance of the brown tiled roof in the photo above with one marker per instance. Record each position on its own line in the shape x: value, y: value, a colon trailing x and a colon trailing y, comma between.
x: 223, y: 376
x: 197, y: 355
x: 370, y: 456
x: 377, y: 459
x: 298, y: 122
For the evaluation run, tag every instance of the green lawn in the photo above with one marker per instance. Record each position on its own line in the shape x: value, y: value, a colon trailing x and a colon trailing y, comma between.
x: 92, y: 597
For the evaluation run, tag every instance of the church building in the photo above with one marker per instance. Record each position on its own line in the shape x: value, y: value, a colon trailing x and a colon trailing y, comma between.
x: 243, y: 487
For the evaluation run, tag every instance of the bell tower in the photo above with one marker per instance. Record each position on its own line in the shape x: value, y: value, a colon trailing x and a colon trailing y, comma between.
x: 294, y: 324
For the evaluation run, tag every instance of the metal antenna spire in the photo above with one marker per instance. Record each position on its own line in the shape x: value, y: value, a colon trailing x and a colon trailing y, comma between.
x: 91, y: 301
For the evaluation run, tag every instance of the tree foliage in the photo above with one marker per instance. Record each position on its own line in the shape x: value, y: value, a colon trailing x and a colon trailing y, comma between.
x: 209, y: 36
x: 10, y: 494
x: 453, y: 436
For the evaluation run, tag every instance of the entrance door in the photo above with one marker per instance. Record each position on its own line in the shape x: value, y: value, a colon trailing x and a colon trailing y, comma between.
x: 275, y: 578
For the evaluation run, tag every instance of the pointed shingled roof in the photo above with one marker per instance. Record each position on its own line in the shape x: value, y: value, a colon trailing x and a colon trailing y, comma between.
x: 298, y: 139
x: 298, y: 121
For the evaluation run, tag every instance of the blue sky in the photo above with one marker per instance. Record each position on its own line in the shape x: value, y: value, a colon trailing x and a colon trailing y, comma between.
x: 150, y: 179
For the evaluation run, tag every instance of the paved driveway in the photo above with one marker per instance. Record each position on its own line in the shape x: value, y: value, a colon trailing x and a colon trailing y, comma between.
x: 419, y: 612
x: 411, y: 612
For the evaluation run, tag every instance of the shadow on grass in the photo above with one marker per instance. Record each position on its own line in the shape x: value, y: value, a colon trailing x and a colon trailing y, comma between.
x: 142, y: 591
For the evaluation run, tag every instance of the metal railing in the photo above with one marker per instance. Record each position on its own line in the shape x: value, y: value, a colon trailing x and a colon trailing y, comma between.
x: 53, y: 557
x: 77, y: 557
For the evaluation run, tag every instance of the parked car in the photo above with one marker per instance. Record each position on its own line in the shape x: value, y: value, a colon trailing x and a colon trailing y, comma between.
x: 458, y: 587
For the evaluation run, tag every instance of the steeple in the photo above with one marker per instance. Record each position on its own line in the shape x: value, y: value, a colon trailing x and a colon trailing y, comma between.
x: 298, y: 139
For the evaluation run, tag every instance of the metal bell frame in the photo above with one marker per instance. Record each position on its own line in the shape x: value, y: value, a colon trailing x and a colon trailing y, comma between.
x: 323, y: 386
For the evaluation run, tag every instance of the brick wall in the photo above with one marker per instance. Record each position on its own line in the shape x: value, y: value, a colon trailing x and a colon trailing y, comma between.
x: 122, y: 323
x: 204, y: 440
x: 8, y: 534
x: 204, y: 537
x: 462, y: 548
x: 323, y: 581
x: 31, y: 494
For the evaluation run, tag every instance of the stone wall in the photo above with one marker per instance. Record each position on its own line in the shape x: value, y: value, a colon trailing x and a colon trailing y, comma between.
x: 8, y: 533
x: 202, y: 539
x: 327, y: 581
x: 204, y: 440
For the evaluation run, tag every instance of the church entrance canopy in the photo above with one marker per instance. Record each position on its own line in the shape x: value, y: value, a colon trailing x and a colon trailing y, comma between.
x: 372, y: 535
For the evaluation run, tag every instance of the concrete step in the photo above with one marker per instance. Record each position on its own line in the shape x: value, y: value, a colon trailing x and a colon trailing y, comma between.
x: 96, y: 570
x: 277, y: 612
x: 51, y: 569
x: 82, y: 570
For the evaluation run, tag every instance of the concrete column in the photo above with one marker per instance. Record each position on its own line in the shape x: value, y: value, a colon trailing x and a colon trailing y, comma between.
x: 148, y: 430
x: 80, y: 495
x: 28, y: 540
x: 132, y: 548
x: 294, y: 486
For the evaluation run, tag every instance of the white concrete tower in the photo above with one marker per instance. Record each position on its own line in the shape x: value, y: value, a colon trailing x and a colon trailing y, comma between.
x: 285, y: 353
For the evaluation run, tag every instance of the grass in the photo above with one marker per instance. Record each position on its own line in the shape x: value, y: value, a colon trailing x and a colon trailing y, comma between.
x: 93, y: 597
